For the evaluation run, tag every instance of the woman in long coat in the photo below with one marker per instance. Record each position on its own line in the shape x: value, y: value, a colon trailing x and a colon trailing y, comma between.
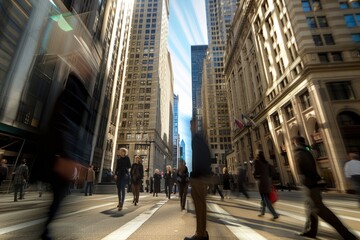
x: 156, y: 180
x: 137, y: 174
x: 226, y: 183
x: 123, y: 165
x: 183, y: 181
x: 262, y: 171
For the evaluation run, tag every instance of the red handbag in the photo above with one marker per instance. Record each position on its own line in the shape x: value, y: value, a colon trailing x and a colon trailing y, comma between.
x: 273, y: 196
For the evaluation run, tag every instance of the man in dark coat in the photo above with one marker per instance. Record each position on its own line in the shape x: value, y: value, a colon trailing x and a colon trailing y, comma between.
x: 199, y: 180
x: 309, y: 177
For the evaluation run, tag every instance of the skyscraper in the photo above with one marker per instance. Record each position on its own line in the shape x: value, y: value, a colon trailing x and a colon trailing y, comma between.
x: 176, y: 136
x: 216, y: 120
x: 198, y: 54
x: 147, y: 109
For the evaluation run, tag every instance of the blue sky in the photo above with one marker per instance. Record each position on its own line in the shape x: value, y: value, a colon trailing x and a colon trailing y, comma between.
x: 187, y: 27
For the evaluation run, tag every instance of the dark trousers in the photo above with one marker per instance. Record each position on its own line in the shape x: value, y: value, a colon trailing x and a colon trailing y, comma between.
x: 217, y: 189
x: 315, y: 208
x: 242, y: 189
x: 198, y: 193
x: 135, y: 188
x: 183, y: 188
x: 18, y: 188
x: 168, y: 189
x: 265, y: 202
x: 121, y: 183
x: 60, y: 189
x: 89, y: 188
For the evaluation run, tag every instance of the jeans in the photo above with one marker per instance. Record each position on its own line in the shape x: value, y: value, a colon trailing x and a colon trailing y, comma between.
x: 265, y: 201
x: 121, y: 183
x: 183, y: 188
x: 89, y: 188
x: 18, y: 188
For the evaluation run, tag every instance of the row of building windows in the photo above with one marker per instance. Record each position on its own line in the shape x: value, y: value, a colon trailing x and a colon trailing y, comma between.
x: 139, y: 106
x: 139, y: 123
x: 139, y: 115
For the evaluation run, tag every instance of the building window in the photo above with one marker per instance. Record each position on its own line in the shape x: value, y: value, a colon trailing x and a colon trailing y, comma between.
x: 355, y: 37
x: 266, y: 127
x: 323, y: 57
x: 305, y: 100
x: 344, y: 5
x: 317, y: 40
x: 336, y: 56
x: 355, y: 4
x: 329, y: 40
x: 350, y: 20
x: 322, y: 21
x: 311, y: 5
x: 311, y: 22
x: 276, y: 120
x: 289, y: 111
x: 340, y: 90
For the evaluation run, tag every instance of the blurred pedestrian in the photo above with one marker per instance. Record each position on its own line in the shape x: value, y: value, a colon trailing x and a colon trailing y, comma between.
x: 314, y: 206
x: 216, y: 180
x: 168, y: 181
x: 123, y: 165
x: 3, y: 170
x: 20, y: 180
x: 352, y: 171
x: 156, y: 181
x: 200, y: 178
x: 226, y: 183
x: 183, y: 181
x: 90, y: 179
x: 242, y: 182
x: 62, y: 148
x: 174, y: 180
x: 137, y: 174
x: 262, y: 170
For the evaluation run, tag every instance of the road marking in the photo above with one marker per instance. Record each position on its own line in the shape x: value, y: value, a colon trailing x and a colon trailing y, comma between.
x: 41, y: 220
x: 129, y: 228
x: 239, y: 230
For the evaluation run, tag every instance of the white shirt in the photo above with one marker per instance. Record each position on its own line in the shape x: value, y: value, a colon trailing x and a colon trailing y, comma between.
x: 352, y: 167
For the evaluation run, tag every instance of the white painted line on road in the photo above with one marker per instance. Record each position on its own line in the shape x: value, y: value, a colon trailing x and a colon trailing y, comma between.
x: 129, y: 228
x: 41, y: 220
x: 21, y: 226
x: 239, y: 230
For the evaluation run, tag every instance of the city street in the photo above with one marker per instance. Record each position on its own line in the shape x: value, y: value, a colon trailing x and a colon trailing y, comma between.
x: 96, y: 217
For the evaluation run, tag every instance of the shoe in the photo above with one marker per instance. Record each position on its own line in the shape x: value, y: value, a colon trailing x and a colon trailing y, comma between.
x: 196, y: 237
x: 307, y: 234
x: 135, y: 204
x: 261, y: 215
x: 85, y: 194
x: 119, y: 208
x: 275, y: 217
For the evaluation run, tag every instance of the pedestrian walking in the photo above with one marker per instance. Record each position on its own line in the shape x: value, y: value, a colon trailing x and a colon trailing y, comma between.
x: 262, y: 174
x: 156, y: 181
x: 3, y: 170
x: 216, y: 179
x: 62, y: 147
x: 174, y: 180
x: 242, y: 182
x: 226, y: 183
x: 183, y: 182
x: 314, y: 206
x: 168, y: 181
x: 123, y: 165
x: 352, y: 171
x: 137, y: 174
x: 200, y: 178
x: 20, y: 180
x: 90, y: 179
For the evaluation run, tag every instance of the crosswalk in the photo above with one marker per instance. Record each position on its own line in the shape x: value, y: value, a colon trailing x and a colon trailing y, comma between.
x: 234, y: 218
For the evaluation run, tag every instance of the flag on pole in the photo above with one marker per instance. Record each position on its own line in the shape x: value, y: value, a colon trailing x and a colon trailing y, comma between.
x: 239, y: 123
x: 248, y: 121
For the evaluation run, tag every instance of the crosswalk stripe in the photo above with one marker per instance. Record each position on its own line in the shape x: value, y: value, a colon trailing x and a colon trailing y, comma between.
x: 129, y: 228
x: 240, y: 231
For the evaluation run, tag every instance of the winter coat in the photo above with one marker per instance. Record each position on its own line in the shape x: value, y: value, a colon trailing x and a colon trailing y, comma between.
x: 262, y: 175
x: 226, y: 181
x: 201, y: 159
x: 21, y: 175
x: 136, y: 173
x: 157, y: 179
x: 306, y: 167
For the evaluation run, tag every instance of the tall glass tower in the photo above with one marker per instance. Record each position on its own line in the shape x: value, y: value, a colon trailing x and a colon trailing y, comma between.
x: 198, y: 54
